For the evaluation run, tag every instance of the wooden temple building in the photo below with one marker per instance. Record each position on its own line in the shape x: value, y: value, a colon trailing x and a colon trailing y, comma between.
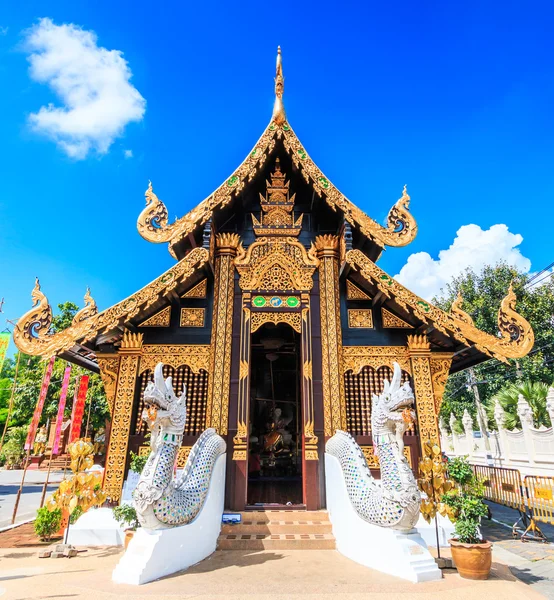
x: 278, y: 319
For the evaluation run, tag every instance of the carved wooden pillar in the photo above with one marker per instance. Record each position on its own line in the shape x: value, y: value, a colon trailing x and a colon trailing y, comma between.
x: 420, y: 357
x: 129, y: 353
x: 222, y: 328
x: 327, y: 247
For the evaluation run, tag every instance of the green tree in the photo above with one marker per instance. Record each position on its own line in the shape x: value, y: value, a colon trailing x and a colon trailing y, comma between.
x: 533, y: 391
x: 482, y: 293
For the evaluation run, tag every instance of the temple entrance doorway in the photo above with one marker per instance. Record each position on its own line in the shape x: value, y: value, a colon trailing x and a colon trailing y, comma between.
x: 275, y: 427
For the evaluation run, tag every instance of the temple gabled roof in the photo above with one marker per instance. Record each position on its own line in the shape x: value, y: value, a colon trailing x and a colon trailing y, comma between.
x: 153, y: 222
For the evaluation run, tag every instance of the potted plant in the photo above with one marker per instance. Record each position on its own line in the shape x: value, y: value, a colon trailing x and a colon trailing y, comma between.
x: 471, y: 553
x: 126, y: 515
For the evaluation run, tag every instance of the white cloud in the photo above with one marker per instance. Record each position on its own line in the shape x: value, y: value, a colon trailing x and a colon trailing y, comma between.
x: 472, y: 247
x: 128, y: 153
x: 3, y: 30
x: 92, y: 83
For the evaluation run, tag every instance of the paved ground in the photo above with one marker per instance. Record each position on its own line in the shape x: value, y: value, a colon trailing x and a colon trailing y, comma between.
x: 236, y: 575
x: 30, y: 498
x: 531, y: 562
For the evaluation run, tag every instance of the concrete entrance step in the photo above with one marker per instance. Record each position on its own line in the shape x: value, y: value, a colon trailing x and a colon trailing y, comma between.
x: 274, y: 530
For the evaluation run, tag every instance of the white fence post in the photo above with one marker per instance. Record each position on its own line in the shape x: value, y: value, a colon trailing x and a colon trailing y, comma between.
x: 526, y: 416
x: 455, y: 442
x: 467, y: 422
x: 550, y: 406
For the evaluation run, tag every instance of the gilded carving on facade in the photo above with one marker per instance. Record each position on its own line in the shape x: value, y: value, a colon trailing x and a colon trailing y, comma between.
x: 457, y: 312
x: 196, y: 357
x: 130, y: 353
x: 293, y: 319
x: 200, y: 290
x: 334, y: 406
x: 360, y: 318
x: 355, y: 358
x: 308, y: 412
x: 182, y: 454
x: 373, y: 460
x: 222, y: 327
x: 391, y: 321
x: 160, y: 319
x: 353, y: 292
x: 89, y: 309
x: 240, y: 440
x: 440, y: 369
x: 516, y: 338
x: 192, y: 317
x: 276, y: 263
x: 31, y: 332
x: 109, y: 371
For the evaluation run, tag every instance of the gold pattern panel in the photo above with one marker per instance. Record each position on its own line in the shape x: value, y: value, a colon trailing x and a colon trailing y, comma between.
x: 391, y: 321
x: 291, y: 318
x: 440, y: 369
x: 109, y: 371
x: 160, y: 319
x: 195, y: 357
x: 425, y: 400
x: 276, y: 263
x: 353, y: 292
x: 182, y: 455
x: 192, y: 317
x: 200, y: 290
x: 31, y: 334
x: 121, y: 424
x: 516, y: 335
x: 360, y: 318
x: 355, y: 358
x: 373, y: 460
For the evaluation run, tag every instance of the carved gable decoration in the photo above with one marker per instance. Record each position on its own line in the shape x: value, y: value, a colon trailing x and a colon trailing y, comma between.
x: 391, y: 321
x: 160, y: 319
x: 276, y: 264
x: 198, y: 291
x: 353, y: 292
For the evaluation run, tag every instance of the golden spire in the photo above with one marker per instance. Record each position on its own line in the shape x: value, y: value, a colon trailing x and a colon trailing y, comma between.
x: 278, y: 108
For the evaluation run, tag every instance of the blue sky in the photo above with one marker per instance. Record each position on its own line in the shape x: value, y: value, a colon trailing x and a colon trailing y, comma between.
x: 454, y: 99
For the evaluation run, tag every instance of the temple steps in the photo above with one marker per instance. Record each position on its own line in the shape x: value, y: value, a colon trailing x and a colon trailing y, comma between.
x: 279, y: 530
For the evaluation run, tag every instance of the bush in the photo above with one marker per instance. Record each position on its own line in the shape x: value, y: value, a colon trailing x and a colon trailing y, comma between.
x: 466, y: 501
x: 126, y: 514
x: 77, y: 512
x: 47, y: 522
x: 14, y: 448
x: 137, y: 462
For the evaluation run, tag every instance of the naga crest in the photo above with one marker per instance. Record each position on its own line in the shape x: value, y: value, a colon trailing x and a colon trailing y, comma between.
x: 163, y: 408
x: 391, y: 410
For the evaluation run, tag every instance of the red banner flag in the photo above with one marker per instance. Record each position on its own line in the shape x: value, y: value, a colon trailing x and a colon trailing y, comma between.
x: 40, y: 403
x: 78, y: 410
x: 61, y: 409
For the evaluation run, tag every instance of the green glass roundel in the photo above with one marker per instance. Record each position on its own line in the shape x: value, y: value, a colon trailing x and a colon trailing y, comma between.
x: 301, y: 153
x: 293, y: 301
x: 232, y: 181
x: 324, y: 183
x: 258, y: 301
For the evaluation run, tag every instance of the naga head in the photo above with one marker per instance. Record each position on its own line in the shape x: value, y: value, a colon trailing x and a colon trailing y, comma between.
x: 163, y: 409
x: 391, y: 410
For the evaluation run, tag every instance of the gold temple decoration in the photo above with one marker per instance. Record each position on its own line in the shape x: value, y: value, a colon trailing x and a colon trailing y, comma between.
x: 160, y: 319
x: 440, y: 368
x: 457, y: 312
x: 182, y: 454
x: 308, y: 411
x: 200, y: 290
x: 373, y: 460
x: 516, y: 338
x: 334, y: 404
x: 279, y: 116
x: 197, y: 358
x: 240, y: 439
x: 277, y: 205
x: 360, y: 318
x: 355, y: 358
x: 130, y: 353
x: 276, y: 263
x: 152, y: 222
x: 31, y: 332
x: 353, y: 292
x: 290, y: 318
x: 192, y: 317
x: 391, y: 321
x: 109, y: 371
x: 89, y: 309
x: 222, y: 328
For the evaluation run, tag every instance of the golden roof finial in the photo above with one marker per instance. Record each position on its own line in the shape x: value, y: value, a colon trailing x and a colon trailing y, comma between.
x: 278, y: 108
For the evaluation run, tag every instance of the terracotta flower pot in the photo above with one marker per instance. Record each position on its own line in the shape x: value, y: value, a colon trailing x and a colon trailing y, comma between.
x: 473, y: 561
x: 129, y: 533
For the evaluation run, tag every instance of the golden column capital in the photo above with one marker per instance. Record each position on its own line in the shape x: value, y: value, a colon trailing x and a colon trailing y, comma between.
x: 327, y: 246
x: 418, y: 345
x: 227, y: 244
x: 131, y: 343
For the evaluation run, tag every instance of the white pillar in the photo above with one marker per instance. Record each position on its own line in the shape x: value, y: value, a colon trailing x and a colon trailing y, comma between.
x: 499, y: 417
x: 550, y: 406
x: 526, y: 416
x: 467, y: 422
x: 455, y: 441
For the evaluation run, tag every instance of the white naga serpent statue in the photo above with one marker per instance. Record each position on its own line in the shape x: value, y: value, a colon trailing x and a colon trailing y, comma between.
x: 394, y: 500
x: 160, y: 500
